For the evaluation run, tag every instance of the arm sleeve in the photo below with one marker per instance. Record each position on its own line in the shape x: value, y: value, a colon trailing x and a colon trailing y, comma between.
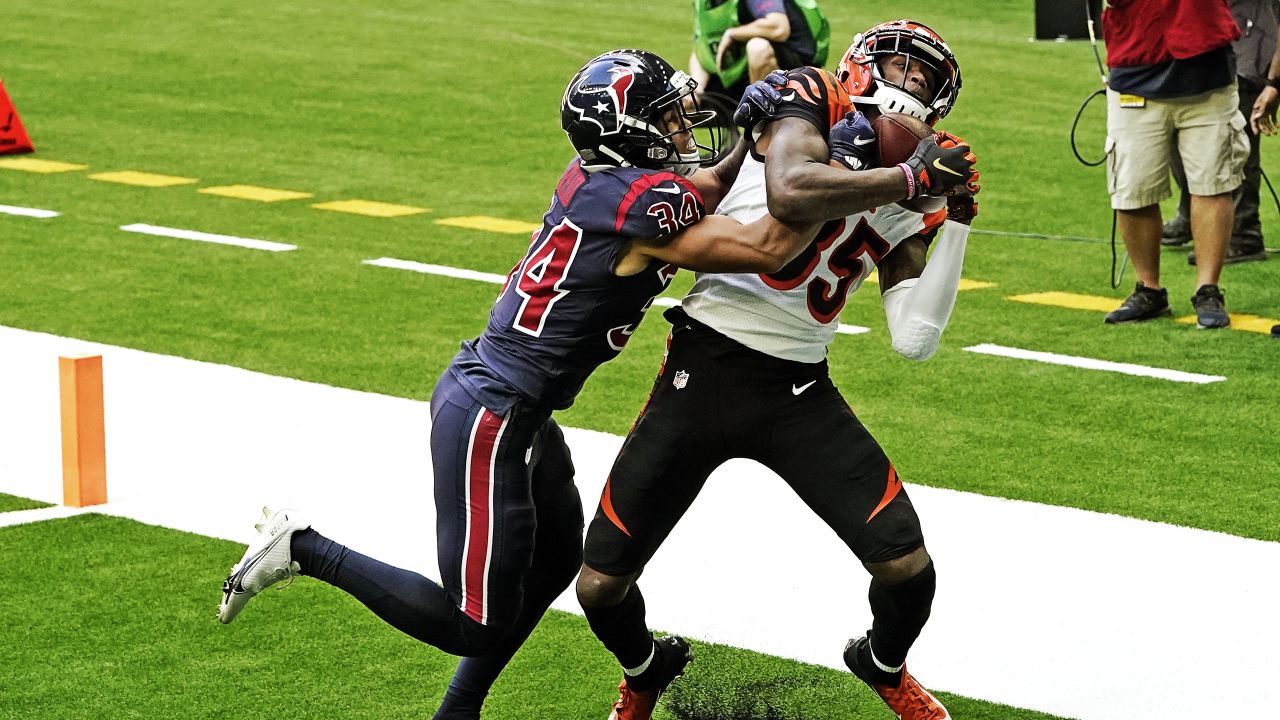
x: 918, y: 309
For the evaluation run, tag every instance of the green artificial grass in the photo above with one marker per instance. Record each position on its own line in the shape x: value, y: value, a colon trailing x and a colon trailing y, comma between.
x: 9, y: 503
x: 147, y: 645
x: 455, y: 108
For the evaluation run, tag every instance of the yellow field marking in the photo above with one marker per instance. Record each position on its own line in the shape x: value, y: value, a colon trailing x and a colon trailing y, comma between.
x: 253, y: 192
x: 133, y: 177
x: 29, y: 164
x: 370, y: 208
x: 491, y: 224
x: 874, y: 277
x: 1069, y: 300
x: 1242, y: 321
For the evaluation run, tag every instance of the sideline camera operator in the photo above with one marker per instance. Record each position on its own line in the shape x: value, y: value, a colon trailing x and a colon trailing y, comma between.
x: 1173, y: 75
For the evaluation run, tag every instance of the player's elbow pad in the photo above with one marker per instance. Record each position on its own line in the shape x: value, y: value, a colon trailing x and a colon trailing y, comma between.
x: 918, y: 309
x: 914, y: 337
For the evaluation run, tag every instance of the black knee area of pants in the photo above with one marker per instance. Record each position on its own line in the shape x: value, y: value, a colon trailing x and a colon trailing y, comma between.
x: 900, y: 612
x: 621, y: 628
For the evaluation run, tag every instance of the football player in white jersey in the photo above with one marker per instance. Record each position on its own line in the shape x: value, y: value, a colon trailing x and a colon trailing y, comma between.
x: 746, y: 376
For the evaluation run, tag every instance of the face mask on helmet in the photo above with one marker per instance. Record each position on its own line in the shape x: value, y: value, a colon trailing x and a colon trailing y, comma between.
x: 630, y: 108
x: 863, y: 76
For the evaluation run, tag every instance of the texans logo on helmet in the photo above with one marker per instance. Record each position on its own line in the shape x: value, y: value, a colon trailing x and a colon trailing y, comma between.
x: 608, y: 104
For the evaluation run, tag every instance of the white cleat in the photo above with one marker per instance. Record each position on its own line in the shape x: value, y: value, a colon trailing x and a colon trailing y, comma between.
x: 266, y: 561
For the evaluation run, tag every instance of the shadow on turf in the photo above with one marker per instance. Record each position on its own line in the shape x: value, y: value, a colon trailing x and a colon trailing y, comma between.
x: 764, y: 700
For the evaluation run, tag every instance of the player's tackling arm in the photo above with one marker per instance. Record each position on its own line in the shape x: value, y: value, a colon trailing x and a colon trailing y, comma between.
x: 721, y: 244
x: 713, y: 183
x: 803, y: 187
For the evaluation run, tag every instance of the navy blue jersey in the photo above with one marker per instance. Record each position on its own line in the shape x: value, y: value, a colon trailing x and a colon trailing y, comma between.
x: 562, y: 311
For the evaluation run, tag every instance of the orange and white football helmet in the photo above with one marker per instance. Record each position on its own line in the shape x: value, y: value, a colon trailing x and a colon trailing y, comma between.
x: 859, y: 70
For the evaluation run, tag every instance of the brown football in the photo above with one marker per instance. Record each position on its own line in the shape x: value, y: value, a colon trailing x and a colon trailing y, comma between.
x: 897, y: 135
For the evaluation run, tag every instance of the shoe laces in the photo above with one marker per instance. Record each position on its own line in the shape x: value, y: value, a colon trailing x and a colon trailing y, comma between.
x: 1209, y: 294
x: 624, y: 696
x: 912, y: 700
x: 283, y: 577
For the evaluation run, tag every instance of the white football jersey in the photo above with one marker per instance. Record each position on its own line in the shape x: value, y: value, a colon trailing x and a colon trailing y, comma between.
x: 793, y: 313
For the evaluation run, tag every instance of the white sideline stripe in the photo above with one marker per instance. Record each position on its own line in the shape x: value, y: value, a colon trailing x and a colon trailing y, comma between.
x: 445, y: 270
x: 181, y: 234
x: 27, y: 212
x: 1035, y: 579
x: 1094, y: 364
x: 22, y: 517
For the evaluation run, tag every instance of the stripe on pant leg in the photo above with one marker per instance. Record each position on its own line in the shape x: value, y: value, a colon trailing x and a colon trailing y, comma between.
x: 477, y: 552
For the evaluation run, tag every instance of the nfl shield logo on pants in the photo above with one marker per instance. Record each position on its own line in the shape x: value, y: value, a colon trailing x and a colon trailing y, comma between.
x: 681, y: 379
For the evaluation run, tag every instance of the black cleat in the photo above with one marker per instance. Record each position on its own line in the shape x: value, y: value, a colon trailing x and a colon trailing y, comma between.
x: 1143, y: 304
x: 1275, y: 331
x: 1175, y: 232
x: 1210, y: 311
x: 1236, y: 254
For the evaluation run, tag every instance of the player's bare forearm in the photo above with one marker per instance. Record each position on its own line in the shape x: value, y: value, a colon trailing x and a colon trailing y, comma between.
x: 802, y: 187
x: 774, y: 27
x: 722, y: 244
x: 904, y: 262
x: 713, y: 183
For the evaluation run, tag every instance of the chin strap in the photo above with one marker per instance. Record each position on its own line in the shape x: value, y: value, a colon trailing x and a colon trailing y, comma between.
x: 917, y: 309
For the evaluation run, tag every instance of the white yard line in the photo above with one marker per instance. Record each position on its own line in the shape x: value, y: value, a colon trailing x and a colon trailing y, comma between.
x: 463, y: 274
x: 27, y: 212
x: 181, y: 234
x: 1094, y: 364
x: 1075, y: 613
x: 445, y: 270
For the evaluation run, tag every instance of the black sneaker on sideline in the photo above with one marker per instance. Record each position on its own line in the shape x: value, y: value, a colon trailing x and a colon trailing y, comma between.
x: 1175, y: 232
x: 1211, y: 312
x: 1235, y: 254
x: 1275, y: 331
x: 1143, y: 304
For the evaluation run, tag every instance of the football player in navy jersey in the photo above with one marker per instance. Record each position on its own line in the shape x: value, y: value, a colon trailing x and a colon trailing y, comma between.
x: 746, y: 375
x: 629, y: 210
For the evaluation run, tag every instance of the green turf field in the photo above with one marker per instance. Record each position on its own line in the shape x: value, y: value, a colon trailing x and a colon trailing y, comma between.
x: 454, y: 108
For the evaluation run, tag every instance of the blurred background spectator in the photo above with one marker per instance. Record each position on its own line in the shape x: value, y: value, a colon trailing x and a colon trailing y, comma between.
x: 1173, y: 82
x: 1255, y: 51
x: 736, y: 42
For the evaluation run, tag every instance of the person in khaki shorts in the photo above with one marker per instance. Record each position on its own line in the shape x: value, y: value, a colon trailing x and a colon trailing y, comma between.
x: 1173, y: 76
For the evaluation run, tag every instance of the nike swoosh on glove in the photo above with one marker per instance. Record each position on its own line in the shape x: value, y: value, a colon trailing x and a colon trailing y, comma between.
x: 853, y: 142
x: 941, y: 163
x: 760, y: 100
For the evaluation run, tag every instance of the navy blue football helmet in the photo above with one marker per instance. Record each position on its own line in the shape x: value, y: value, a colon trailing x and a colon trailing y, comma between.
x: 626, y: 108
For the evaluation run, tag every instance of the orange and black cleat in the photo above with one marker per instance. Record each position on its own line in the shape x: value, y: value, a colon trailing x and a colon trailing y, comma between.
x: 909, y: 700
x: 673, y: 654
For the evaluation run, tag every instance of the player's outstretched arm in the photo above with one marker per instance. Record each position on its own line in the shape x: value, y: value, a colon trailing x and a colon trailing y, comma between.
x: 803, y: 187
x: 918, y: 298
x: 721, y: 244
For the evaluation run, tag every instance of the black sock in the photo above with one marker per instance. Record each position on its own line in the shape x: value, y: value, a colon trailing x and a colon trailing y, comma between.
x: 899, y: 612
x: 623, y: 631
x: 406, y: 600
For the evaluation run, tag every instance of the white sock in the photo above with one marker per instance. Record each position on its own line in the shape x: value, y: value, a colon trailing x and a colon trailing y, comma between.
x: 632, y: 672
x: 881, y: 665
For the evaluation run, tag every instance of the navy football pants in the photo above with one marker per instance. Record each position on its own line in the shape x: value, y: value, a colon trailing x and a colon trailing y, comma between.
x: 508, y: 530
